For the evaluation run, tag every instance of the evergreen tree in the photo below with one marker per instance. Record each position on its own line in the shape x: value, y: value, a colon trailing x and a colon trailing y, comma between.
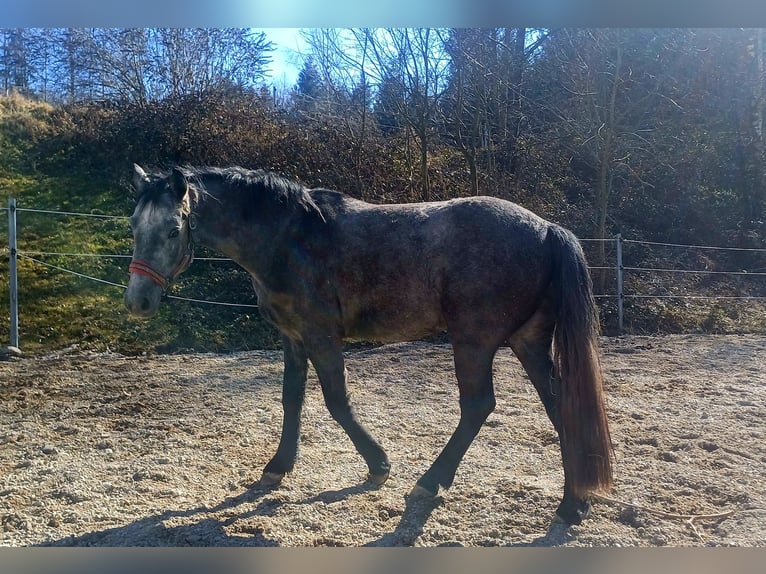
x: 308, y: 88
x: 15, y: 67
x: 389, y: 101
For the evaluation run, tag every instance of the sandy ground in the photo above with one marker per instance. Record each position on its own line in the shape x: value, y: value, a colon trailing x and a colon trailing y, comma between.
x: 109, y: 450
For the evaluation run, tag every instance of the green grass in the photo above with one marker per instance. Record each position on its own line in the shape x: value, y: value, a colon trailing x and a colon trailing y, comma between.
x: 58, y: 309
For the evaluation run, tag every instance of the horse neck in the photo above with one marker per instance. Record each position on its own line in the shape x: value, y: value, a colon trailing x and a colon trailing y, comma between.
x: 219, y: 226
x: 210, y: 228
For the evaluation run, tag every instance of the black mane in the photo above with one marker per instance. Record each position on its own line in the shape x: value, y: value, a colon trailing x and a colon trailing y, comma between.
x: 256, y: 189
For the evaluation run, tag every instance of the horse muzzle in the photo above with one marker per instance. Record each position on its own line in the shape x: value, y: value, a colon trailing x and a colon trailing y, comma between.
x: 147, y: 286
x: 143, y: 297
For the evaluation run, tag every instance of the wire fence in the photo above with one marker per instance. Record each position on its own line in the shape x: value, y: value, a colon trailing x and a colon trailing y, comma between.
x: 33, y: 256
x: 617, y: 269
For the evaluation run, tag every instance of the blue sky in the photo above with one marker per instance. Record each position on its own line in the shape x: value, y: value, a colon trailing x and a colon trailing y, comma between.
x: 286, y: 61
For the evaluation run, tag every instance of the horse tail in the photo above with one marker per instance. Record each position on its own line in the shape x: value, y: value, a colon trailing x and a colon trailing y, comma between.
x: 586, y: 444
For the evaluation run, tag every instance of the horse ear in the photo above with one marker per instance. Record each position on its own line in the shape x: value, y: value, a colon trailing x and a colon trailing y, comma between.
x: 139, y: 179
x: 178, y: 184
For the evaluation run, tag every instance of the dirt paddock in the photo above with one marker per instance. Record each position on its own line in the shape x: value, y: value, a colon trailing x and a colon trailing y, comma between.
x: 109, y: 450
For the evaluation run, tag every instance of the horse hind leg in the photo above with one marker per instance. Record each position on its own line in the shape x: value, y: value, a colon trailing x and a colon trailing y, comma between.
x: 532, y: 346
x: 473, y: 367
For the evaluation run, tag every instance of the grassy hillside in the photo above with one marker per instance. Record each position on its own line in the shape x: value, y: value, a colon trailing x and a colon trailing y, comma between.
x: 59, y: 309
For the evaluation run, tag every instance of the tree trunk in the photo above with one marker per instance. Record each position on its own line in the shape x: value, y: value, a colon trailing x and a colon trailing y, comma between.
x: 473, y: 169
x: 604, y: 184
x: 425, y: 186
x: 759, y: 160
x: 363, y: 131
x: 516, y: 78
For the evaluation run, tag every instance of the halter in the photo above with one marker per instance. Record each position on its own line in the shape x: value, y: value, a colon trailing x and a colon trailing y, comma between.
x: 141, y: 267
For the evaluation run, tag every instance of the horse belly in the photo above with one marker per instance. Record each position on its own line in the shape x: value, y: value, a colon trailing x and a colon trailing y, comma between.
x: 374, y: 325
x: 398, y: 313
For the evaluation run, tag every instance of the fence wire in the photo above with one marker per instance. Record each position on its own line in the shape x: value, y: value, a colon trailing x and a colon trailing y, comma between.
x: 70, y: 213
x: 693, y: 271
x: 24, y: 255
x: 33, y: 256
x: 713, y: 247
x: 110, y: 255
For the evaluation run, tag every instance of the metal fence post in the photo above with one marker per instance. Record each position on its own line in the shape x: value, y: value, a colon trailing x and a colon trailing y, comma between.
x: 12, y: 267
x: 620, y: 294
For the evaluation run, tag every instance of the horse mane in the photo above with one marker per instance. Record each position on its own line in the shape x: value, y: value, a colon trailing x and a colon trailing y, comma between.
x: 254, y: 187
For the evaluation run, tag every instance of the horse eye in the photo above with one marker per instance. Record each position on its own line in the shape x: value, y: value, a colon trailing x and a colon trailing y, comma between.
x: 173, y: 233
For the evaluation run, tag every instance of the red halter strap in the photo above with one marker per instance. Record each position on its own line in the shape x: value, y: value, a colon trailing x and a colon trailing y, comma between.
x: 143, y: 268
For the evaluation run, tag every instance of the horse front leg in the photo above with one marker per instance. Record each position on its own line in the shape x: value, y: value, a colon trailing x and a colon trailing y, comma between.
x: 327, y: 358
x: 293, y: 394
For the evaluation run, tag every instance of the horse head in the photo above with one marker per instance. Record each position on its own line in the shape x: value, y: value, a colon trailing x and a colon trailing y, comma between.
x: 162, y: 243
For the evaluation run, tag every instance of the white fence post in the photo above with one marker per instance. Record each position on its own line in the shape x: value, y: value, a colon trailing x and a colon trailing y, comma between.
x: 620, y: 294
x: 12, y: 266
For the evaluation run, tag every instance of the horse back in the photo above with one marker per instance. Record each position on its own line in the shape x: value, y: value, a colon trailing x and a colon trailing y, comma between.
x: 404, y: 271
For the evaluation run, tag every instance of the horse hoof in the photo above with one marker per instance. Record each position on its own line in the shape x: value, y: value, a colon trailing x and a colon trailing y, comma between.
x: 421, y: 492
x: 573, y: 512
x: 271, y: 478
x: 377, y: 479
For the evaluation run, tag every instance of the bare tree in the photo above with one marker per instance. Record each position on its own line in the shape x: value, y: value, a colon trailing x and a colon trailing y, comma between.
x: 76, y: 64
x: 415, y: 58
x: 15, y: 65
x: 124, y: 63
x: 753, y: 152
x: 190, y: 61
x: 473, y: 80
x: 338, y: 59
x: 139, y: 65
x: 585, y: 106
x: 483, y: 111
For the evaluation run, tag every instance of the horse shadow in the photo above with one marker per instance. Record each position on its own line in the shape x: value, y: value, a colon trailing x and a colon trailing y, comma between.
x: 417, y: 511
x: 206, y: 529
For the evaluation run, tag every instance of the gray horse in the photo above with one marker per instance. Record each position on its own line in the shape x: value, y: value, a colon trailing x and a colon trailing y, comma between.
x: 328, y: 268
